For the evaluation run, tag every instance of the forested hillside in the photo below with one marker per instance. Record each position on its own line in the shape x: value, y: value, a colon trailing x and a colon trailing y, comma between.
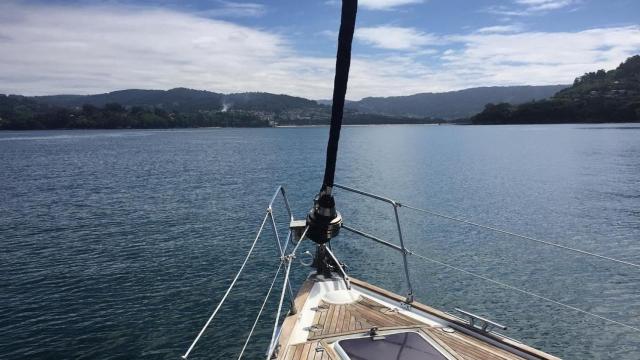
x: 595, y: 97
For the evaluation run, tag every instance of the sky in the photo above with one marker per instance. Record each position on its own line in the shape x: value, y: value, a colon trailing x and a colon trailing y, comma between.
x: 401, y: 47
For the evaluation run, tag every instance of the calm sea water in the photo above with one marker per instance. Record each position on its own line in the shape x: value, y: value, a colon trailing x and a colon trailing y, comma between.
x: 118, y: 244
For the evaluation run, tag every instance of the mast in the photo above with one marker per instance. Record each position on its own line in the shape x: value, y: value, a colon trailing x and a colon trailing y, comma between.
x: 324, y: 221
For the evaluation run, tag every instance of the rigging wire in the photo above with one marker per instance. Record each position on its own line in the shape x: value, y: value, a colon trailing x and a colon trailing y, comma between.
x: 264, y: 303
x: 292, y: 254
x: 288, y: 259
x: 282, y: 250
x: 226, y: 294
x: 345, y: 277
x: 583, y: 252
x: 526, y: 292
x: 272, y: 345
x: 275, y: 230
x: 410, y: 252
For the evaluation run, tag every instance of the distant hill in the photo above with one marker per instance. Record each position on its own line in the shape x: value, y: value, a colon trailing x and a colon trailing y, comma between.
x: 179, y: 98
x: 447, y: 105
x: 594, y: 97
x: 451, y: 104
x: 175, y: 108
x: 601, y: 96
x: 183, y: 100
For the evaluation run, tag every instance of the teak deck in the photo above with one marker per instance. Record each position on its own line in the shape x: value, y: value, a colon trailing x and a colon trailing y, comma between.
x: 332, y: 322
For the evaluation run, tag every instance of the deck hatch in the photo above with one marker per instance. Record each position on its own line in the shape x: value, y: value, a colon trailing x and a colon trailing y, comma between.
x: 399, y: 346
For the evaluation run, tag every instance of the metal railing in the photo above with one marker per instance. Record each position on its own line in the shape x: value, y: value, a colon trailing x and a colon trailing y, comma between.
x: 486, y: 323
x: 402, y: 249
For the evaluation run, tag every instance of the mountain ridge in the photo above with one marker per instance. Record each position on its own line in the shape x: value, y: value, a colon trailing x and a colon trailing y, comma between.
x: 453, y: 104
x: 443, y: 105
x: 181, y: 99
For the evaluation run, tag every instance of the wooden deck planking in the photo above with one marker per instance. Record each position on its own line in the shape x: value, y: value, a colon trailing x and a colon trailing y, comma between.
x: 467, y: 347
x: 333, y: 320
x: 447, y: 317
x: 336, y: 320
x: 309, y: 351
x: 290, y: 321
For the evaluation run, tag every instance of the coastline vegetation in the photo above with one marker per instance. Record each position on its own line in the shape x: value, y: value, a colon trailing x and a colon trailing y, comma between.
x: 24, y: 113
x: 595, y: 97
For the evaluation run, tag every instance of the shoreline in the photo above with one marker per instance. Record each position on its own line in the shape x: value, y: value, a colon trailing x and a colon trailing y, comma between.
x: 317, y: 126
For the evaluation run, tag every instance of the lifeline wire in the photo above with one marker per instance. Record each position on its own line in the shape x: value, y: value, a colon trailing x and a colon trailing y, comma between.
x: 272, y: 346
x: 193, y: 344
x: 430, y: 212
x: 524, y: 291
x: 264, y: 303
x: 583, y: 252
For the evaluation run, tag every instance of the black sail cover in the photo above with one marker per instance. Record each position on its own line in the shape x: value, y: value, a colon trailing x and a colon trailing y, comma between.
x: 323, y: 220
x: 343, y: 63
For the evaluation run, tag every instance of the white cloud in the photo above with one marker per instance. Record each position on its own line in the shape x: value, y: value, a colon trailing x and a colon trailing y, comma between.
x: 394, y: 38
x: 331, y: 34
x: 386, y: 4
x: 378, y: 4
x: 500, y: 29
x: 541, y: 57
x: 531, y: 7
x: 55, y: 49
x: 489, y: 59
x: 236, y: 9
x: 544, y: 5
